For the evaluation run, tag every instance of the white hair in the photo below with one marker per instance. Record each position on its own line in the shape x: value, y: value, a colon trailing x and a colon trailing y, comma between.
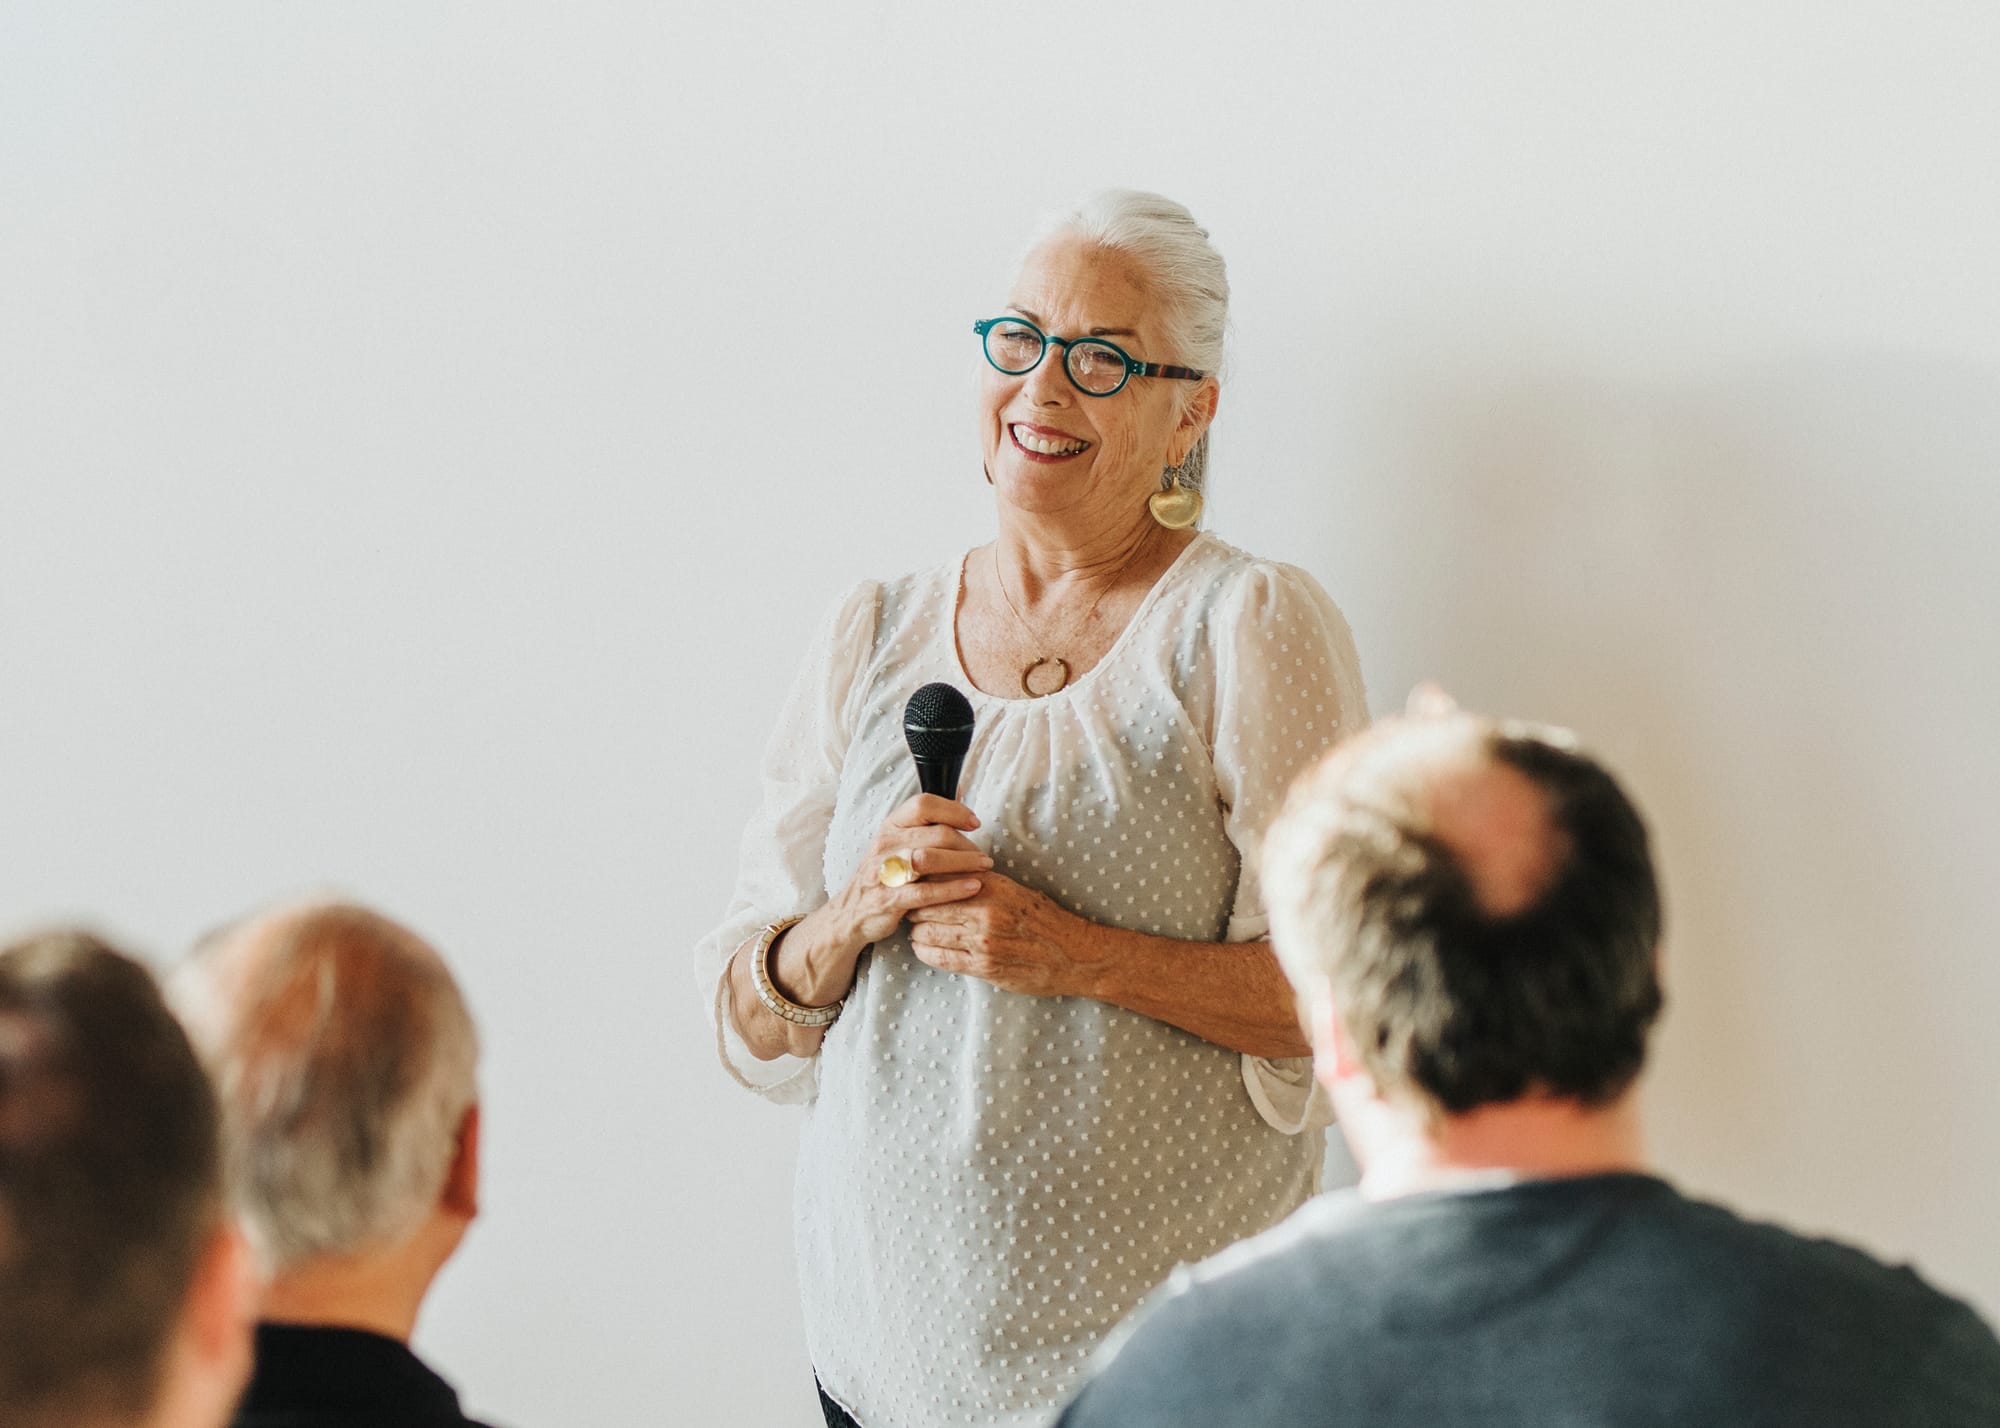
x: 1184, y: 272
x: 344, y: 1059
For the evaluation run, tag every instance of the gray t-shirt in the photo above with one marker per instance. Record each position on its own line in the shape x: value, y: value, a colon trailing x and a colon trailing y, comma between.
x: 1604, y: 1301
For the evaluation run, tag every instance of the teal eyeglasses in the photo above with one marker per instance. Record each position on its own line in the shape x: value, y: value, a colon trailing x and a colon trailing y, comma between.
x: 1096, y: 368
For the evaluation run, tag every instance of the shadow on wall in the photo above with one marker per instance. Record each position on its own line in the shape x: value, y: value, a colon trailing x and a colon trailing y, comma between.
x: 1773, y: 603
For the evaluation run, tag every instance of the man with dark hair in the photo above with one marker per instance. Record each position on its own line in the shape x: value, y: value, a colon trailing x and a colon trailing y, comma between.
x: 1468, y: 913
x: 126, y: 1298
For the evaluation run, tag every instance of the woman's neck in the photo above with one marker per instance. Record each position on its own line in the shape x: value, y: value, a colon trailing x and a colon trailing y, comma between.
x: 1039, y: 554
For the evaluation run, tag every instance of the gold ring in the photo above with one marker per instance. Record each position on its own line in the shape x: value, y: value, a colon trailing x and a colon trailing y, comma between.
x: 897, y: 869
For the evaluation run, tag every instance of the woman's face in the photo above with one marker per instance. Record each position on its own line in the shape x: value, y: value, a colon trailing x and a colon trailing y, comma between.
x: 1054, y: 450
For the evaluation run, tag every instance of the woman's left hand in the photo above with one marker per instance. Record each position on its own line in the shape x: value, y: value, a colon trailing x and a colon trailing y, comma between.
x: 1008, y: 935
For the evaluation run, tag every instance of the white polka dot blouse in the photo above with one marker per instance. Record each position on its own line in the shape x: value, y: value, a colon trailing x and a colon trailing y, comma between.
x: 989, y: 1182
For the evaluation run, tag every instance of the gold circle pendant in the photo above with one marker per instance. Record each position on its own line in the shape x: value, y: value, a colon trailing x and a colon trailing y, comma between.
x: 1028, y: 676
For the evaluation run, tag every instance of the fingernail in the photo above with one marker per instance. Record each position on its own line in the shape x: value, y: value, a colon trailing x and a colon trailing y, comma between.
x: 985, y: 862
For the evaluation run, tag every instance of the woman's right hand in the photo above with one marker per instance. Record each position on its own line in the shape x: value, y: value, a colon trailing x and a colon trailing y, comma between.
x: 813, y: 962
x: 929, y: 832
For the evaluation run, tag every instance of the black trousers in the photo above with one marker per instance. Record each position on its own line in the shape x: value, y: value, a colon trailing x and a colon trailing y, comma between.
x: 836, y: 1416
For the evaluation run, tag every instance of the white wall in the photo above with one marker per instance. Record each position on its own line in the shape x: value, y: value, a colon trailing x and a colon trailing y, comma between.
x: 421, y: 461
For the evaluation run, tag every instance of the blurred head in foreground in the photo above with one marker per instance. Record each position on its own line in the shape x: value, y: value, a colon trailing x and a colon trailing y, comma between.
x: 344, y: 1058
x: 126, y: 1298
x: 1469, y: 913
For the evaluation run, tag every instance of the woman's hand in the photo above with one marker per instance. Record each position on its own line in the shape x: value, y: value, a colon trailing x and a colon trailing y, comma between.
x: 1008, y: 935
x: 813, y: 961
x: 929, y: 832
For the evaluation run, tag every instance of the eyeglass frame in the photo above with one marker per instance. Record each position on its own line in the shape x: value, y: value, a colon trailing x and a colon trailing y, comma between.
x: 1133, y: 366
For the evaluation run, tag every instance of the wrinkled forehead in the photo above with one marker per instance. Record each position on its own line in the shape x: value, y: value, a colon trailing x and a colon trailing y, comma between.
x: 1072, y: 287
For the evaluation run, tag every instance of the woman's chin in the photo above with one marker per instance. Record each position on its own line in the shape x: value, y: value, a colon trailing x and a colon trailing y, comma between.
x: 1042, y: 489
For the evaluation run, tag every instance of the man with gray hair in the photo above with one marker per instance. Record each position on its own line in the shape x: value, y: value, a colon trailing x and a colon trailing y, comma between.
x: 126, y: 1294
x: 1468, y: 913
x: 344, y: 1058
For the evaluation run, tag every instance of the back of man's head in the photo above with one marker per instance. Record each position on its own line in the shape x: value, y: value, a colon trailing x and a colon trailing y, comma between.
x: 1478, y: 902
x: 345, y: 1060
x: 112, y: 1229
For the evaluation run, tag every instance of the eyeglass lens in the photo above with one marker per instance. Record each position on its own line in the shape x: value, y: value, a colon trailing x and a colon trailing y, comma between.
x: 1096, y: 367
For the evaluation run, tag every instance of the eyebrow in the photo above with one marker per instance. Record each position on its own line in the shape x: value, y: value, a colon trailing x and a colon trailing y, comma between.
x: 1094, y: 332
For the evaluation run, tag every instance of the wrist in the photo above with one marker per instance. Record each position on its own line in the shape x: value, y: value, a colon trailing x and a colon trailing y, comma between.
x: 810, y: 964
x: 1095, y: 960
x: 764, y: 1036
x: 805, y: 1017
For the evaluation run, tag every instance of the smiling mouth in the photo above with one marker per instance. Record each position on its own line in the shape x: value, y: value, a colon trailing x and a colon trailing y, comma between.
x: 1038, y: 445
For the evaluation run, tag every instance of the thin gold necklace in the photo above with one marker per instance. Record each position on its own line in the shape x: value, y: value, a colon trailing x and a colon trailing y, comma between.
x: 1035, y: 641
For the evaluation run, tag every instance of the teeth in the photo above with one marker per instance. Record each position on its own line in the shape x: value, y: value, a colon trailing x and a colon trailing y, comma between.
x: 1043, y: 446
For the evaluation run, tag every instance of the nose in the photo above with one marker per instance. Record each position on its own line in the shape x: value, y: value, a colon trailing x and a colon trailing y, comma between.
x: 1048, y: 385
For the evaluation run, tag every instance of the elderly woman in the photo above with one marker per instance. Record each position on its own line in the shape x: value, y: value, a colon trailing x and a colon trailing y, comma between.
x: 1060, y: 1058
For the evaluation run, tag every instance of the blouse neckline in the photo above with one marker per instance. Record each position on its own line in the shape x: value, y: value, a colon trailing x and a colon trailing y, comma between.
x: 956, y: 596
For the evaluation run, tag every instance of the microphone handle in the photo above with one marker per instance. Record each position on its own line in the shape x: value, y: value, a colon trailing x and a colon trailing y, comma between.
x: 940, y: 775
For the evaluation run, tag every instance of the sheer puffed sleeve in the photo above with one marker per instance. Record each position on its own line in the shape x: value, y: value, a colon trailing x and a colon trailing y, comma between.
x: 1288, y: 686
x: 780, y: 867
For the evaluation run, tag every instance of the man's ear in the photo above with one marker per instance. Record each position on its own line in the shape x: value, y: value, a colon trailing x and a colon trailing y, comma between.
x: 1428, y: 700
x: 460, y: 1196
x: 223, y: 1297
x: 1334, y: 1051
x: 214, y: 1342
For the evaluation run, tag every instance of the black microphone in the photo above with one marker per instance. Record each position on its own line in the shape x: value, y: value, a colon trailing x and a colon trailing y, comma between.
x: 938, y: 723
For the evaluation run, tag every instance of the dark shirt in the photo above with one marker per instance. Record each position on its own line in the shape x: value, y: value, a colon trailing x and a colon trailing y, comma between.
x: 310, y: 1377
x: 1609, y: 1301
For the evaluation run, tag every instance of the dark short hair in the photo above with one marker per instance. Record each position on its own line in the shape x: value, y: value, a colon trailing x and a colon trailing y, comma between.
x: 110, y: 1181
x: 1467, y: 1008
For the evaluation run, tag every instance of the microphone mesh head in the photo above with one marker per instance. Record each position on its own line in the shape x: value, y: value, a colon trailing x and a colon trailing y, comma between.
x: 938, y: 722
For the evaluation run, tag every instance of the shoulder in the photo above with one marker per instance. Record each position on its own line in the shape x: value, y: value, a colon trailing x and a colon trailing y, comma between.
x: 858, y: 604
x: 872, y: 632
x: 1251, y: 627
x: 1202, y: 1346
x: 1828, y: 1270
x: 1888, y: 1329
x: 900, y: 602
x: 873, y: 608
x: 1277, y: 1263
x: 1258, y: 1284
x: 1239, y: 595
x: 1225, y: 572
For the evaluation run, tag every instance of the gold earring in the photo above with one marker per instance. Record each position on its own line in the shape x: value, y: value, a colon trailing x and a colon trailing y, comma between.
x: 1177, y: 507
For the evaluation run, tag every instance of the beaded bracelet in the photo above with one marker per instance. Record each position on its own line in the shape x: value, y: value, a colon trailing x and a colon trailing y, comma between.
x: 776, y: 1002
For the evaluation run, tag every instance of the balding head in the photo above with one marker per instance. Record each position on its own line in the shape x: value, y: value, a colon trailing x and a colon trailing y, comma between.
x: 1478, y: 900
x: 1440, y: 775
x: 344, y: 1057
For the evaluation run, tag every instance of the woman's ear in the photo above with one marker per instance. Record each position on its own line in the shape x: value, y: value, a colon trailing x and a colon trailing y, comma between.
x: 1195, y: 418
